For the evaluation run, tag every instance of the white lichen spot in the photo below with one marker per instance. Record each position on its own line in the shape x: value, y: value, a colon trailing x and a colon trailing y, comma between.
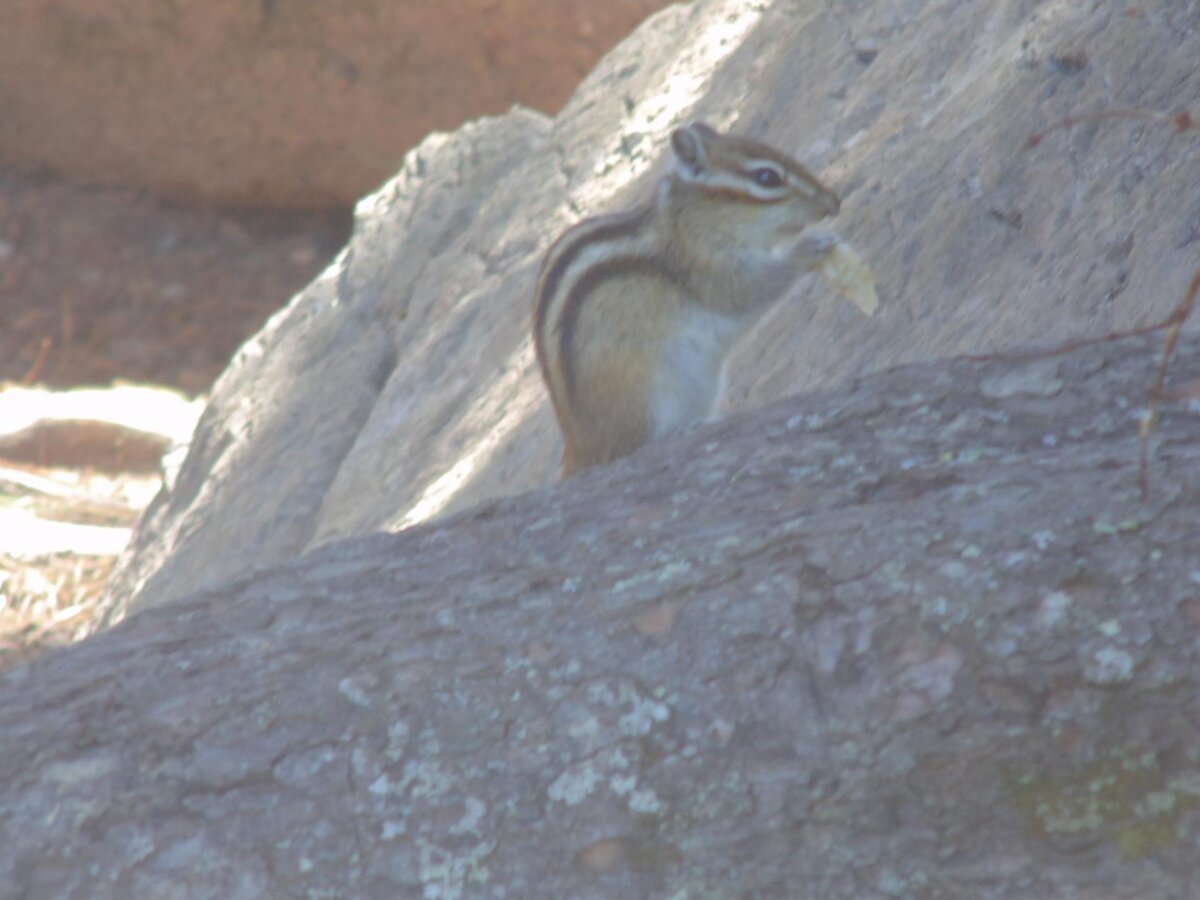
x: 381, y: 786
x: 1002, y: 648
x: 935, y: 677
x: 1049, y: 440
x: 600, y: 694
x: 661, y: 576
x: 644, y: 801
x: 471, y: 819
x: 1148, y: 761
x: 353, y: 692
x: 1109, y: 528
x: 1110, y: 628
x: 87, y: 770
x: 673, y: 570
x: 392, y: 830
x: 585, y: 731
x: 302, y: 766
x: 616, y: 759
x: 1053, y: 608
x: 1042, y: 539
x: 445, y: 875
x: 625, y: 584
x: 570, y: 585
x: 622, y: 784
x: 426, y: 778
x: 1156, y: 803
x: 1038, y: 379
x: 864, y: 636
x: 574, y: 785
x: 892, y: 884
x: 363, y: 763
x: 1109, y: 665
x: 1187, y: 784
x: 970, y: 552
x: 1058, y: 820
x: 397, y: 740
x: 570, y: 670
x: 639, y: 720
x: 721, y: 730
x: 304, y: 864
x: 810, y: 421
x: 953, y: 569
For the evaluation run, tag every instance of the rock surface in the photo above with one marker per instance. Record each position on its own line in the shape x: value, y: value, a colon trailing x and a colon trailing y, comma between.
x: 915, y: 637
x: 402, y: 385
x: 278, y: 104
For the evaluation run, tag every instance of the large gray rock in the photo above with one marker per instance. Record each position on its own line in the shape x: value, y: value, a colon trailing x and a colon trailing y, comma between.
x: 401, y: 384
x: 921, y: 637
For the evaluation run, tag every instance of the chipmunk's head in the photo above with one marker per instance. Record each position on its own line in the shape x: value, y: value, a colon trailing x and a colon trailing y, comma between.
x: 748, y: 180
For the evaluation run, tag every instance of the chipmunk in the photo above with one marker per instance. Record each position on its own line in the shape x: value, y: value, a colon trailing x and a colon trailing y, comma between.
x: 635, y: 313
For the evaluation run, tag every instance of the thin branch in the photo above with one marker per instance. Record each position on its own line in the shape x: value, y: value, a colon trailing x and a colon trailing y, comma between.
x: 1174, y: 325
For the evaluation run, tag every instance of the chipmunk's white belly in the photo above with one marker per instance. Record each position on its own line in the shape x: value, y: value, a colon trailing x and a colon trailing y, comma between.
x: 691, y: 371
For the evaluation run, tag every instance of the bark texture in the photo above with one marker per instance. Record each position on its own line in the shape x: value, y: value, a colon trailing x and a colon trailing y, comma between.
x: 919, y: 636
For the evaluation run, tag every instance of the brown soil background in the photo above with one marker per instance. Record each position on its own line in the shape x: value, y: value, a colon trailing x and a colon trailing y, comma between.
x: 98, y: 284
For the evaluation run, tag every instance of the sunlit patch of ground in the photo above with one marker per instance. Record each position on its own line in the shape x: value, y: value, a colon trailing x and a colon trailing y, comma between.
x: 62, y: 527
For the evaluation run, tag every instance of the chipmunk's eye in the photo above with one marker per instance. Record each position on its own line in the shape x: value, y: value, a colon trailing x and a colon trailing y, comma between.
x: 765, y: 176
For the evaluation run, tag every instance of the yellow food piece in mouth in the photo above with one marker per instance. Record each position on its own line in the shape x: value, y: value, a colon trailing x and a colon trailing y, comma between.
x: 845, y: 272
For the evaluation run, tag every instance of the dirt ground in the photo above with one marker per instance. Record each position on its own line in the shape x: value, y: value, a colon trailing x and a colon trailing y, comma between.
x: 99, y: 286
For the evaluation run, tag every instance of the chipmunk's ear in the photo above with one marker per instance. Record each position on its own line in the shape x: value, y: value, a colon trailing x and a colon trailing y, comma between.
x: 688, y: 144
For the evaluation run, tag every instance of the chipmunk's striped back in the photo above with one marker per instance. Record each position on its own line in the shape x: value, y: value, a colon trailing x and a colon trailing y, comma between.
x: 596, y: 249
x: 615, y: 291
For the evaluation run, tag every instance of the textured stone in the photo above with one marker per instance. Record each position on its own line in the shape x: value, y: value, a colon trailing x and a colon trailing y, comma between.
x: 912, y: 650
x: 402, y: 385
